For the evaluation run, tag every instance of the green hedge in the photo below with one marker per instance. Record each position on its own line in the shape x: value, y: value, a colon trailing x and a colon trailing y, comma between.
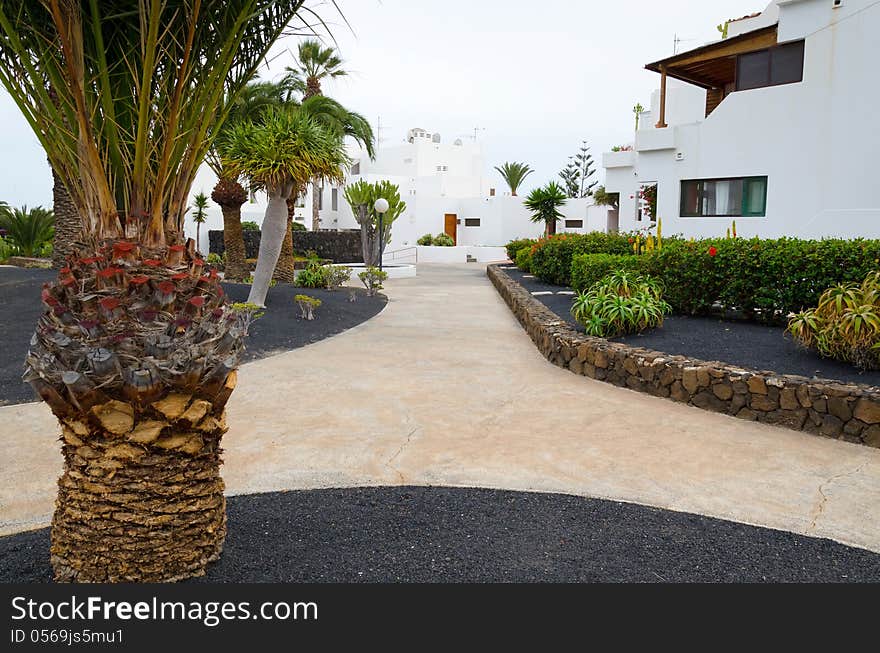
x: 551, y: 260
x: 524, y: 259
x: 514, y: 246
x: 589, y: 269
x: 763, y: 279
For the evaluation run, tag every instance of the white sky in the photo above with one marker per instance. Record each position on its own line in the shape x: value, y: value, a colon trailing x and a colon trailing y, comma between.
x: 538, y: 77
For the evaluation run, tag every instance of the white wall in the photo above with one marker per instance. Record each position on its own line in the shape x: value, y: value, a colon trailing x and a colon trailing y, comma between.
x: 815, y: 140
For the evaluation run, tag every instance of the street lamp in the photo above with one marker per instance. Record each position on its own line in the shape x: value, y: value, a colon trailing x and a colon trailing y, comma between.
x: 381, y: 206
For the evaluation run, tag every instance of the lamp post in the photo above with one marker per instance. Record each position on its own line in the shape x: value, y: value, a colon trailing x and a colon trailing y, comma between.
x: 381, y: 206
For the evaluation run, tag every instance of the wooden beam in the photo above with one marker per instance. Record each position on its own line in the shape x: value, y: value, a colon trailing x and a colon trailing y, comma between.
x: 661, y: 123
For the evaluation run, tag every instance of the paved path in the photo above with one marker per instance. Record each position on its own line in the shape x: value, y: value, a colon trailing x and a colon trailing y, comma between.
x: 444, y: 388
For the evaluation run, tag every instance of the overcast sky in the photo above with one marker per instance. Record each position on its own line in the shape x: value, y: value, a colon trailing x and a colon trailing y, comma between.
x: 536, y: 77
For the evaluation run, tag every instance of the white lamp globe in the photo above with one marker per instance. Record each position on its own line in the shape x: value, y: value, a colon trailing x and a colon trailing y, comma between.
x: 381, y: 205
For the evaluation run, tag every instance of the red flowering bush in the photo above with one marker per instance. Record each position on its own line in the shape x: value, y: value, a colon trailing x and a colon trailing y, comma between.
x: 713, y: 251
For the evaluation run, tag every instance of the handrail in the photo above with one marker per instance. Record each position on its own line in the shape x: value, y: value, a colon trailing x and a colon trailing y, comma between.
x: 414, y: 251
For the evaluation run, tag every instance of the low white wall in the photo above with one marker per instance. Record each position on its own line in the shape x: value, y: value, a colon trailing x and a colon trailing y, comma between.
x: 459, y: 254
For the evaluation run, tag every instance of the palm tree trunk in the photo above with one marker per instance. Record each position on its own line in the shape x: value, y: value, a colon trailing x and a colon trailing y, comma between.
x: 68, y: 224
x: 316, y: 194
x: 233, y: 244
x: 271, y: 238
x: 198, y: 235
x: 141, y: 497
x: 284, y: 269
x: 551, y: 227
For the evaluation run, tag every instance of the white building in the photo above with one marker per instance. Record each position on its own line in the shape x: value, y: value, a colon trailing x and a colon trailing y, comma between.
x: 773, y: 126
x: 446, y: 190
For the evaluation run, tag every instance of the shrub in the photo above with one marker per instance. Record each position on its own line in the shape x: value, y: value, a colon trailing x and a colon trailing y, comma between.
x: 425, y: 240
x: 845, y: 325
x: 336, y: 276
x: 620, y: 303
x: 297, y: 226
x: 589, y: 269
x: 314, y: 275
x: 514, y: 246
x: 524, y: 259
x: 761, y: 280
x: 372, y: 279
x: 5, y: 250
x: 307, y: 306
x: 249, y: 225
x: 28, y: 232
x: 551, y: 257
x: 214, y: 259
x: 443, y: 240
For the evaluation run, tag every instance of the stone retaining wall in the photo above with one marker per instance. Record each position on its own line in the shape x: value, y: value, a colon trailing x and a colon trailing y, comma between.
x: 829, y: 408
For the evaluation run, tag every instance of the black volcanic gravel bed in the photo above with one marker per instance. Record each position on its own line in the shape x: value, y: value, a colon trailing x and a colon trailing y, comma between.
x: 744, y: 344
x: 280, y: 329
x: 419, y: 534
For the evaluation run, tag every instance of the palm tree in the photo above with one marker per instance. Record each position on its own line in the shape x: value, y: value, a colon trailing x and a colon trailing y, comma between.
x: 200, y: 215
x: 68, y: 224
x: 544, y: 204
x: 279, y: 154
x: 315, y: 63
x: 361, y: 197
x: 229, y: 194
x: 27, y: 230
x: 137, y: 348
x: 514, y: 174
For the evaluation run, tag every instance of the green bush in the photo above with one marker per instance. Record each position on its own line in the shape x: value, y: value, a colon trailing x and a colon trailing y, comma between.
x: 425, y: 240
x: 443, y: 240
x: 307, y: 306
x: 29, y: 232
x: 551, y: 258
x: 314, y: 275
x: 336, y: 275
x: 524, y: 259
x: 249, y: 225
x: 214, y: 259
x: 297, y: 226
x: 762, y: 280
x: 845, y: 325
x: 5, y: 250
x: 588, y: 269
x: 514, y: 246
x: 372, y: 279
x: 620, y: 303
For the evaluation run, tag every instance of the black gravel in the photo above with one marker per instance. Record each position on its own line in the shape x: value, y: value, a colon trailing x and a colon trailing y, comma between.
x: 281, y: 328
x: 416, y: 534
x: 745, y: 344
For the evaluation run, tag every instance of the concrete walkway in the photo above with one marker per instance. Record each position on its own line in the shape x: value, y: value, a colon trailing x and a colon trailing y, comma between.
x: 445, y: 388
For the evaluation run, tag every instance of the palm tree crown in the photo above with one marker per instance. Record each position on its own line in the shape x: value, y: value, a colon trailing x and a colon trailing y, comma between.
x: 544, y: 204
x: 514, y: 174
x: 315, y: 63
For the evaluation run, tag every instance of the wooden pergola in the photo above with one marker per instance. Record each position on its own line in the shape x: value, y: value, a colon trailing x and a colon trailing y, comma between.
x: 711, y: 66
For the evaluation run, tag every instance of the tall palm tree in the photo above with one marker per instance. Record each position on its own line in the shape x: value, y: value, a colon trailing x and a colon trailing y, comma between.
x: 315, y: 63
x: 200, y: 214
x: 250, y: 104
x: 514, y: 174
x: 137, y: 348
x: 279, y: 154
x: 544, y: 204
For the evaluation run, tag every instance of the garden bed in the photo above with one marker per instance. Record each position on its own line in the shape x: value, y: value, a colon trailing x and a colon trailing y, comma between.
x: 845, y: 411
x: 429, y: 535
x: 281, y: 329
x: 746, y: 344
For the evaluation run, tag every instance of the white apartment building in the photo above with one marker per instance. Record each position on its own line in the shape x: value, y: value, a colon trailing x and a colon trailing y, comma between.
x: 773, y: 126
x: 446, y: 189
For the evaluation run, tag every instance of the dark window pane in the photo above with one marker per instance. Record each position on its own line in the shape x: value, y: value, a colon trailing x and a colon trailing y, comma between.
x: 690, y: 198
x: 753, y: 70
x: 732, y: 197
x: 334, y: 199
x: 755, y: 197
x: 471, y: 222
x: 574, y: 224
x: 787, y: 63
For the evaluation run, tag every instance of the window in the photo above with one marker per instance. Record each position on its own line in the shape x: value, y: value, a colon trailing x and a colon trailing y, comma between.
x: 442, y: 168
x: 356, y: 168
x: 334, y: 199
x: 471, y: 222
x: 320, y: 192
x: 732, y: 197
x: 783, y: 64
x: 574, y: 224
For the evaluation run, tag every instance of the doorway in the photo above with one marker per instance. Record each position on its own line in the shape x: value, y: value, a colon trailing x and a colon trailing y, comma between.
x: 450, y: 226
